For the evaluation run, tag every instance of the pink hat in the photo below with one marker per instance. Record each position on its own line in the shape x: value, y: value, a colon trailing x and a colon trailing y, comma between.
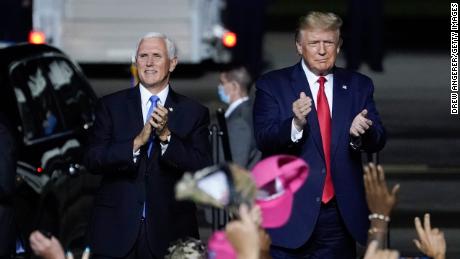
x: 277, y: 179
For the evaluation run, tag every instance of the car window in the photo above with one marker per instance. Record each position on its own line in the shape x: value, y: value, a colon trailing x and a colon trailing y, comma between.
x: 51, y: 95
x: 72, y: 92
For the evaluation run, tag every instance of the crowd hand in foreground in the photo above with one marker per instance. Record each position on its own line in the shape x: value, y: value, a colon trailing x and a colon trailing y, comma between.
x: 373, y: 252
x: 380, y: 202
x: 50, y: 247
x: 430, y: 241
x: 379, y: 199
x: 243, y: 234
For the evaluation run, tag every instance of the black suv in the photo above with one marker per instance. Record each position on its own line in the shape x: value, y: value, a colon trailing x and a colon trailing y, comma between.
x: 49, y: 106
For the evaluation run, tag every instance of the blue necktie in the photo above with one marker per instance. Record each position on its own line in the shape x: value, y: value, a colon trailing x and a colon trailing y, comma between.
x: 153, y: 104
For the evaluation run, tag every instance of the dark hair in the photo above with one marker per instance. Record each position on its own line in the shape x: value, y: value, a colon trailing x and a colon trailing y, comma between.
x: 240, y: 75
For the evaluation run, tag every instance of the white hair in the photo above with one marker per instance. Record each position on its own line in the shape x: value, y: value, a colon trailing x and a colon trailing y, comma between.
x: 170, y: 45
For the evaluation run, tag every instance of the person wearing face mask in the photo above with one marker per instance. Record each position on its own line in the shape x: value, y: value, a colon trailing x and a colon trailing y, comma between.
x: 234, y: 87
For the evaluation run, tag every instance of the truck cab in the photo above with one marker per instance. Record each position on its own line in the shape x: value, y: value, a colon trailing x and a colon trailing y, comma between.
x: 106, y: 31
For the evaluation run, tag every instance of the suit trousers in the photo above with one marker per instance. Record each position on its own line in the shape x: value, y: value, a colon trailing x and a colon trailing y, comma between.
x: 140, y: 249
x: 330, y: 239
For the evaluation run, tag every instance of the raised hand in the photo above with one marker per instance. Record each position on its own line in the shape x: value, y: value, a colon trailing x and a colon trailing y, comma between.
x: 373, y: 252
x: 378, y: 197
x: 431, y: 241
x: 243, y: 234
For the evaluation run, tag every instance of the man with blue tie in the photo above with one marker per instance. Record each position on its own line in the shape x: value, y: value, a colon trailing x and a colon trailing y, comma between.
x: 143, y: 139
x: 327, y: 116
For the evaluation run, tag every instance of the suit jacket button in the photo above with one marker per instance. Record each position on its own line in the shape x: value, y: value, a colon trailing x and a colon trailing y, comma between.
x: 318, y: 199
x: 323, y: 171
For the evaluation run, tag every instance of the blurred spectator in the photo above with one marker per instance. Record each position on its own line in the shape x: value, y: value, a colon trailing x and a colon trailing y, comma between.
x: 380, y: 201
x: 364, y: 37
x: 430, y: 241
x: 247, y: 20
x: 7, y: 176
x: 190, y: 248
x: 234, y: 88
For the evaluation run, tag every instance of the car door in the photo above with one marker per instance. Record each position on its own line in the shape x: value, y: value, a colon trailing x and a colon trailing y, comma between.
x: 56, y: 108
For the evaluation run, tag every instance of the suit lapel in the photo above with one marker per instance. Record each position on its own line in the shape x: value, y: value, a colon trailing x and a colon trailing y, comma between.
x: 340, y: 108
x: 300, y: 84
x: 135, y: 118
x: 135, y: 109
x: 172, y: 105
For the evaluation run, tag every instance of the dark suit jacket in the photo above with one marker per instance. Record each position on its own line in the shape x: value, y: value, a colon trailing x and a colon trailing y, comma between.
x: 352, y: 92
x: 7, y: 176
x: 126, y: 185
x: 241, y: 136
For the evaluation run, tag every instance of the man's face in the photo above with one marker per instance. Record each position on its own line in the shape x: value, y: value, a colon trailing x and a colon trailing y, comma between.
x: 319, y: 49
x: 153, y: 63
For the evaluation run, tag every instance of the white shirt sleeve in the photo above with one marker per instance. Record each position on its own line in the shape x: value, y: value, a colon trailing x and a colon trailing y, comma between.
x: 295, y: 134
x: 136, y: 155
x: 165, y: 146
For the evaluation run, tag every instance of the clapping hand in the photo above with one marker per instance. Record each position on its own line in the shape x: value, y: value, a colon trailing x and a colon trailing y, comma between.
x: 301, y: 108
x: 360, y: 124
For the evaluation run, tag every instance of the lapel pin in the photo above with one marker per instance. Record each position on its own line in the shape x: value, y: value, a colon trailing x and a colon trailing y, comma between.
x: 344, y: 87
x: 170, y: 109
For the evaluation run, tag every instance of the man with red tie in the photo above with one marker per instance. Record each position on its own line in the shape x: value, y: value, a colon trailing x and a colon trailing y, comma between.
x: 327, y: 116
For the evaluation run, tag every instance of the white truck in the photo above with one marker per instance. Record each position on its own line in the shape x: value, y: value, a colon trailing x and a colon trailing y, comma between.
x: 106, y: 31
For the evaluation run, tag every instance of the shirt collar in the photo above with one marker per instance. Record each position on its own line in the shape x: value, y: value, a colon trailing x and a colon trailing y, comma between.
x: 233, y: 106
x: 312, y: 78
x: 145, y: 95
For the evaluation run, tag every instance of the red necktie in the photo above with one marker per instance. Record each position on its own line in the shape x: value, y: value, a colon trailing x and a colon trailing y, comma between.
x: 324, y: 118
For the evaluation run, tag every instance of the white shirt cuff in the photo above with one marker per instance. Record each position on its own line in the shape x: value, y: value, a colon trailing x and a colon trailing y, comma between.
x: 136, y: 154
x: 295, y: 134
x: 165, y: 146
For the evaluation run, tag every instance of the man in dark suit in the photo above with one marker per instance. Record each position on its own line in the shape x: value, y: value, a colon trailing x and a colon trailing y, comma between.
x: 144, y: 138
x: 7, y: 176
x: 327, y: 116
x: 235, y: 84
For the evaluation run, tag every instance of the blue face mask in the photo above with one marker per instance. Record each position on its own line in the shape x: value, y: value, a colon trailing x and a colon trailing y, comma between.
x: 222, y: 95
